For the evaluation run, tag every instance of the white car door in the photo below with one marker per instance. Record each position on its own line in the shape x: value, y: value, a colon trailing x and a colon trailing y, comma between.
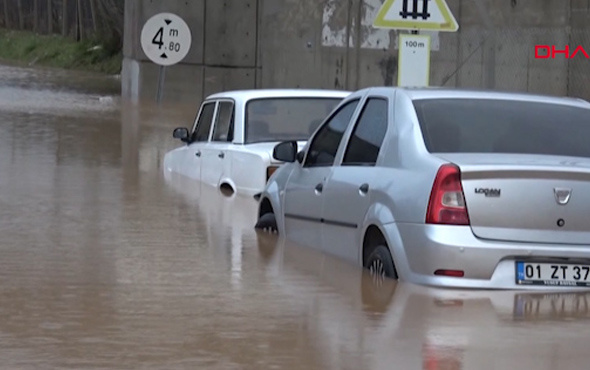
x: 303, y: 195
x: 347, y: 192
x: 215, y: 159
x: 199, y: 137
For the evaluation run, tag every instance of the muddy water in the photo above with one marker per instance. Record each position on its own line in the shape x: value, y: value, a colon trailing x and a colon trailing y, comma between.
x: 106, y: 265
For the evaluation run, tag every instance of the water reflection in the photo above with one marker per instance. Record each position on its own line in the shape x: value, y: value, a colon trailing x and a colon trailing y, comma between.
x: 550, y: 306
x: 107, y: 264
x: 423, y: 327
x: 39, y: 80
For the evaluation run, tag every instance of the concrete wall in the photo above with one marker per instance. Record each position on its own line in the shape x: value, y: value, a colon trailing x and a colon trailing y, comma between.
x: 302, y: 43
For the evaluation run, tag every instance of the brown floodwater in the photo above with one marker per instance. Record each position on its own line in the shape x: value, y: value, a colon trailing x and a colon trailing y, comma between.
x: 106, y: 265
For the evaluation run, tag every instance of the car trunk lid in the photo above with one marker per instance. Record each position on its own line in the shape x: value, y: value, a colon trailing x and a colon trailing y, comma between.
x: 526, y: 198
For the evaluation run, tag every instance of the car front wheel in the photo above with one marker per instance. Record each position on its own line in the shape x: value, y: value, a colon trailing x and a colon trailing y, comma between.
x: 267, y: 222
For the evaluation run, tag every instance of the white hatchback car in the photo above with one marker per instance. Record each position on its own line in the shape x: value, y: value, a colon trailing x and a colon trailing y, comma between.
x: 231, y: 142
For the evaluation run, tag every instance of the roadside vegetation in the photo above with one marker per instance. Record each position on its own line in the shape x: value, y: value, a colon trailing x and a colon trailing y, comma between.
x: 72, y: 34
x: 58, y: 51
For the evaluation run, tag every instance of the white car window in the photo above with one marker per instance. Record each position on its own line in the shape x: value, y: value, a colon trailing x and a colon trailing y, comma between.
x: 224, y: 122
x: 367, y: 137
x: 282, y: 119
x: 203, y: 127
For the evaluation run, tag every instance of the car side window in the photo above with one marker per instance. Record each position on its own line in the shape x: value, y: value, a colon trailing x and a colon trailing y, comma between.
x: 223, y: 129
x: 368, y: 134
x: 322, y: 150
x: 203, y: 126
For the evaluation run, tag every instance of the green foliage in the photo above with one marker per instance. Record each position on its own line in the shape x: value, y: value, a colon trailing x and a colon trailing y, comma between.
x: 57, y: 51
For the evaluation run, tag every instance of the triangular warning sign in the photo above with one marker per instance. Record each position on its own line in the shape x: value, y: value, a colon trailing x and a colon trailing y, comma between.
x: 430, y: 15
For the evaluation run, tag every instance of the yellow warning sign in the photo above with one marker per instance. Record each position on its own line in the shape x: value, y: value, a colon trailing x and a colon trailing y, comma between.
x: 431, y: 15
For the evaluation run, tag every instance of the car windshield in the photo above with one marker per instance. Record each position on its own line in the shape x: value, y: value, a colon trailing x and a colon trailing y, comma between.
x: 503, y: 126
x: 282, y: 119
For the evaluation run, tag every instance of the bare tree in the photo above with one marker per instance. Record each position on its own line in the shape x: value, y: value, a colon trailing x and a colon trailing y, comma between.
x: 65, y: 18
x: 111, y: 14
x: 6, y: 18
x: 21, y: 16
x: 81, y: 19
x: 94, y: 15
x: 49, y: 16
x: 80, y: 31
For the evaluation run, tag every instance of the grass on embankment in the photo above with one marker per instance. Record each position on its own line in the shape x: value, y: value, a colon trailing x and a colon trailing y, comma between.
x: 57, y: 51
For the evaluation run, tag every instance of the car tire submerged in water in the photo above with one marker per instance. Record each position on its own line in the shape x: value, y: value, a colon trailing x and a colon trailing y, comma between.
x: 380, y: 263
x: 268, y: 222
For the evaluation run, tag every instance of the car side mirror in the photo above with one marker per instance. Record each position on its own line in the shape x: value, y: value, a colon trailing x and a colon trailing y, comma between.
x: 181, y: 133
x: 285, y: 151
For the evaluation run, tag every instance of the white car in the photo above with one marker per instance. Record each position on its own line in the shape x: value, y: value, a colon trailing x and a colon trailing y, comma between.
x: 231, y: 143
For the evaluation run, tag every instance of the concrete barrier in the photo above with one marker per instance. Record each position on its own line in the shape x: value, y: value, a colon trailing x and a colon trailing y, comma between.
x: 303, y: 43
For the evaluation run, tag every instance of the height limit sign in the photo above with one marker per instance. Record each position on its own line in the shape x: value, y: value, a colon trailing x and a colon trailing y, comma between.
x: 166, y: 39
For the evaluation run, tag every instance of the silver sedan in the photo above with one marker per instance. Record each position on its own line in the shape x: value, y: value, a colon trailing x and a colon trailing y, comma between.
x: 443, y: 187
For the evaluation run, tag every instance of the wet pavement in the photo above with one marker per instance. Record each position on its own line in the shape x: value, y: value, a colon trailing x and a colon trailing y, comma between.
x: 106, y: 265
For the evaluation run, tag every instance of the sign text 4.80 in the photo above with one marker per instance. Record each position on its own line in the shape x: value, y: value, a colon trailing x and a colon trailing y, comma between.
x: 159, y: 36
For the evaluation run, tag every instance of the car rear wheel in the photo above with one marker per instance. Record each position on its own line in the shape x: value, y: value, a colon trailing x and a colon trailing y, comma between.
x: 380, y: 263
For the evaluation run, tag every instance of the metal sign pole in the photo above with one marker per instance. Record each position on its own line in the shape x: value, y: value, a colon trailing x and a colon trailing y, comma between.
x: 161, y: 78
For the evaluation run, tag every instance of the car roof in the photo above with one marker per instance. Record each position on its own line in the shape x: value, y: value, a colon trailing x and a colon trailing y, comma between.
x: 418, y: 93
x: 279, y: 93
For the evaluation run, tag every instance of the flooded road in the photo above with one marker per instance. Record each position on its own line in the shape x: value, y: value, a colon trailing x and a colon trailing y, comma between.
x: 105, y: 265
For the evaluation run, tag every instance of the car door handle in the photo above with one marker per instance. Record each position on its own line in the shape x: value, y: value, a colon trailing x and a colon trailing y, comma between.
x: 221, y: 155
x: 198, y: 154
x: 319, y: 187
x: 364, y: 188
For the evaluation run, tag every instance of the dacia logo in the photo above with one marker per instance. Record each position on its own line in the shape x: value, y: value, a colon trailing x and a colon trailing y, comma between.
x: 488, y: 192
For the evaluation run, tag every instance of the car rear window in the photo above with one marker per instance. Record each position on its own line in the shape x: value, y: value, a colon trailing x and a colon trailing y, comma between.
x: 281, y: 119
x: 503, y: 126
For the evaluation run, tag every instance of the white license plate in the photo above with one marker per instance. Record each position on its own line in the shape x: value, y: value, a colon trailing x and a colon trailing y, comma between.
x: 554, y: 274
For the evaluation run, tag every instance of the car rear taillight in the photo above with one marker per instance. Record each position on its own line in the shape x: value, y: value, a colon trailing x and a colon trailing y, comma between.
x: 447, y: 202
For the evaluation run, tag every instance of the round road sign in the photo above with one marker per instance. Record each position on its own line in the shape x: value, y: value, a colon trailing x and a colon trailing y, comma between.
x: 166, y: 39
